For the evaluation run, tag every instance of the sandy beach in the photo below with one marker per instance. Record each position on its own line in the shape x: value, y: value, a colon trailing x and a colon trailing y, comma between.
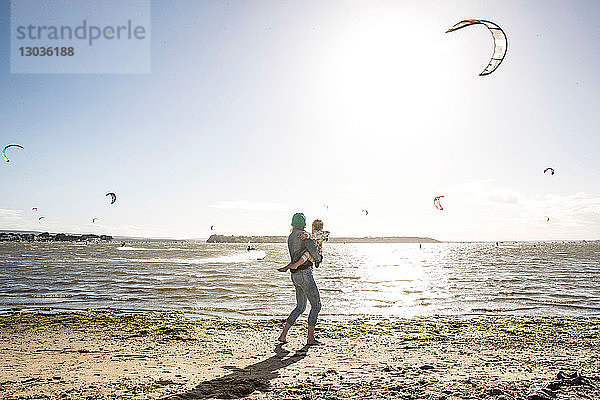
x: 102, y: 355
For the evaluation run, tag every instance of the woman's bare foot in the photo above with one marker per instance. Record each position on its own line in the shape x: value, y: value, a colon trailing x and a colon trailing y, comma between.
x: 283, y: 335
x: 282, y: 269
x: 313, y: 342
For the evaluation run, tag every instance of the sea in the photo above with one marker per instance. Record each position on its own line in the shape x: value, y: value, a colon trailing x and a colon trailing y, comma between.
x: 364, y: 279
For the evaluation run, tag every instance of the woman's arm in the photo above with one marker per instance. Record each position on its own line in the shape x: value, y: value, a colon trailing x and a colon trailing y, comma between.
x: 311, y: 247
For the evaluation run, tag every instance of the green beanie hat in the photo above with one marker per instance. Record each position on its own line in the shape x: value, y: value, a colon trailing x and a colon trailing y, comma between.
x: 299, y: 220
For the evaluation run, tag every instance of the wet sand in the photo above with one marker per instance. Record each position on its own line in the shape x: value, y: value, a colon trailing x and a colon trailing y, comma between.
x: 103, y: 355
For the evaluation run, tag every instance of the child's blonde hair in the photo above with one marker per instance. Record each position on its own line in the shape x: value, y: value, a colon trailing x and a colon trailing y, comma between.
x: 317, y: 225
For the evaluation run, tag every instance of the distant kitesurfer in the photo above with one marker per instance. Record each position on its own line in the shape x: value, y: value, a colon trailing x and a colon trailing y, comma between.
x: 302, y: 277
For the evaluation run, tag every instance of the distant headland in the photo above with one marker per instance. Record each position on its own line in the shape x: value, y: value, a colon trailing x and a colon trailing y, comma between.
x: 47, y: 237
x: 283, y: 239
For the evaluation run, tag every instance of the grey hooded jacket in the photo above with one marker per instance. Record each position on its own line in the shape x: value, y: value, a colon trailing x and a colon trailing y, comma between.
x: 297, y: 247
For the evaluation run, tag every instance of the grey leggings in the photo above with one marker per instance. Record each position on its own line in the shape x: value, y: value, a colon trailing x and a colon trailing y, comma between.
x: 306, y: 288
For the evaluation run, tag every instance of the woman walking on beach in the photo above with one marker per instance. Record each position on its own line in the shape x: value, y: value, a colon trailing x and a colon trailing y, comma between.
x: 306, y: 287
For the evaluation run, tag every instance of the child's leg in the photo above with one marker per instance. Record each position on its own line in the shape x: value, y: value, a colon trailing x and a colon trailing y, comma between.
x: 295, y: 265
x: 302, y: 260
x: 306, y: 256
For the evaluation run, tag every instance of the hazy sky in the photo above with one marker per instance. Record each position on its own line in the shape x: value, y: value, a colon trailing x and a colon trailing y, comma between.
x: 255, y: 110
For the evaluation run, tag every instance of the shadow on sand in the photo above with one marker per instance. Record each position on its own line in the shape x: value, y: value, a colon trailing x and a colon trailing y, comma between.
x: 243, y: 381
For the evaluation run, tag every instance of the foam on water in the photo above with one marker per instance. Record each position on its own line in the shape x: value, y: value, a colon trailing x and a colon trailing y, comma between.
x: 134, y: 248
x: 253, y: 255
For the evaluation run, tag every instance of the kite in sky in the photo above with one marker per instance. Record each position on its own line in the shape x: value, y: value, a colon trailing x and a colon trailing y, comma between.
x: 365, y: 212
x: 500, y: 41
x: 113, y: 197
x: 437, y: 204
x: 551, y: 170
x: 40, y: 219
x: 8, y: 147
